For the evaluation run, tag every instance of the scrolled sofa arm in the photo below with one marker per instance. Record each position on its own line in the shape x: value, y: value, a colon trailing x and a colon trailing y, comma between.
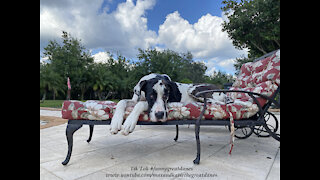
x: 251, y: 94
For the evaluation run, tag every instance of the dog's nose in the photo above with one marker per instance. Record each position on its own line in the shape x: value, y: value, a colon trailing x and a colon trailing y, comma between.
x: 159, y: 115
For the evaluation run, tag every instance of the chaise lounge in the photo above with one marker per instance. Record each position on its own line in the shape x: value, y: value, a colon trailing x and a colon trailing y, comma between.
x: 244, y: 108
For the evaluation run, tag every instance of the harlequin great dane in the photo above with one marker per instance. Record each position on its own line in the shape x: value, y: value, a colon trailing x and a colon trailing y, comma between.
x: 151, y: 94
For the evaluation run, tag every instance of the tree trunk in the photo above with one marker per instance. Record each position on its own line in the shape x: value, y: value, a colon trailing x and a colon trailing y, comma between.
x: 83, y: 90
x: 54, y: 95
x: 43, y: 97
x: 108, y: 95
x: 258, y: 47
x: 68, y: 94
x: 82, y: 95
x: 100, y: 95
x: 277, y: 42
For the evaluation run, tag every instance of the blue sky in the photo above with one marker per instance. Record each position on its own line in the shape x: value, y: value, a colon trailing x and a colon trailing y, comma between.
x: 123, y: 26
x: 190, y: 10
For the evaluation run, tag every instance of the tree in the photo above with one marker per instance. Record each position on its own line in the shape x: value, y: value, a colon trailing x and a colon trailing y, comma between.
x: 102, y: 80
x: 195, y: 71
x: 178, y: 66
x: 220, y: 78
x: 71, y: 60
x: 253, y: 24
x: 115, y: 77
x: 50, y: 81
x: 122, y: 80
x: 239, y: 62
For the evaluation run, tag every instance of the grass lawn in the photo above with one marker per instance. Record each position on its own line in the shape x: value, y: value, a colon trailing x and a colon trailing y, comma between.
x: 58, y: 103
x: 52, y: 103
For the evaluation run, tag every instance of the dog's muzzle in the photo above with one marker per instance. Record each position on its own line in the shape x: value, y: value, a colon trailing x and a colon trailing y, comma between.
x: 159, y: 115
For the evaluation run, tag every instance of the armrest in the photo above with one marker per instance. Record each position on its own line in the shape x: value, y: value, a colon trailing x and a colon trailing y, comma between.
x: 202, y: 93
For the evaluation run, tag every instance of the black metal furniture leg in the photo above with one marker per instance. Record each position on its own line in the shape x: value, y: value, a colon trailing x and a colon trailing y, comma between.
x: 177, y: 133
x: 197, y: 130
x: 71, y: 128
x: 272, y: 134
x: 90, y: 134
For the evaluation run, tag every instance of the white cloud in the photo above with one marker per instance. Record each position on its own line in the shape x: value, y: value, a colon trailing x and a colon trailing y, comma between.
x: 102, y: 57
x: 216, y: 64
x: 211, y: 67
x: 134, y: 24
x: 227, y: 64
x: 44, y: 59
x: 204, y: 39
x: 123, y: 30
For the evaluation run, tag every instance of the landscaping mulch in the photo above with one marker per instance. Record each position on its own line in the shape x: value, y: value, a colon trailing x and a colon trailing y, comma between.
x: 49, y: 121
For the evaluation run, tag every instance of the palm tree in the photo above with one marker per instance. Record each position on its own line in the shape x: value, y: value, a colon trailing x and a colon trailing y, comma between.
x: 102, y: 79
x: 50, y: 81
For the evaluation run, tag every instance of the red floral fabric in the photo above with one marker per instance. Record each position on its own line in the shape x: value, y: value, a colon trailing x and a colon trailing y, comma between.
x: 261, y: 77
x: 103, y: 110
x: 92, y: 110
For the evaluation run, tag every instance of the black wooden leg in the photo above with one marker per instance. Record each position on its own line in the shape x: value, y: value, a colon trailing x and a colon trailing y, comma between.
x: 91, y: 131
x: 177, y: 133
x: 71, y: 128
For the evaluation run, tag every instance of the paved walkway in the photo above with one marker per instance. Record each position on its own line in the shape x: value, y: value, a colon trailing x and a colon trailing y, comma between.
x: 50, y: 113
x: 151, y: 151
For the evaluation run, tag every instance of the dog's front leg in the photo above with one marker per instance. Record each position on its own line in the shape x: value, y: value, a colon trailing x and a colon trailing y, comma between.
x: 118, y: 116
x: 132, y: 119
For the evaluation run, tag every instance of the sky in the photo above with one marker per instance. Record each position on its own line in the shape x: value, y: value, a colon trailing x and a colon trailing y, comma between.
x: 124, y: 26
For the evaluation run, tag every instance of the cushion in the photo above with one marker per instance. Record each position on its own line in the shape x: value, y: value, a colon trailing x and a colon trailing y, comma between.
x: 103, y: 110
x: 254, y: 73
x: 261, y: 77
x: 92, y: 110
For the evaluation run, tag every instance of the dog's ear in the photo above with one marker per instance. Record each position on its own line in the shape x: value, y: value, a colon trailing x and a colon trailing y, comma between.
x: 174, y: 93
x: 166, y: 77
x: 142, y: 85
x: 196, y: 88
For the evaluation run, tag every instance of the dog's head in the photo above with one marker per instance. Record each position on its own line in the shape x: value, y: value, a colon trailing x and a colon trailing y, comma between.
x: 157, y: 90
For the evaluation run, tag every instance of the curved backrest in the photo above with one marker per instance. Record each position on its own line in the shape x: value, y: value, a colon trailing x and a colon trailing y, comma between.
x: 261, y: 76
x: 252, y: 74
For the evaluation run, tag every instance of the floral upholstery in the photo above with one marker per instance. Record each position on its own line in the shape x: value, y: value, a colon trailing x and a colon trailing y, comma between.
x: 103, y: 110
x: 92, y: 110
x: 262, y: 77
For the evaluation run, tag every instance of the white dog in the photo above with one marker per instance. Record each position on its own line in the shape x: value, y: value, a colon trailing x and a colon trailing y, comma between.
x: 151, y: 94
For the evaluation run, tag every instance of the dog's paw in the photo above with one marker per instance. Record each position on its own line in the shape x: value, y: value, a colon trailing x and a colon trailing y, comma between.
x: 114, y: 131
x: 115, y: 125
x: 163, y: 120
x: 128, y: 126
x: 153, y: 120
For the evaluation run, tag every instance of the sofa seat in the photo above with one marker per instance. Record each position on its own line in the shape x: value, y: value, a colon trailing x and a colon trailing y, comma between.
x: 103, y: 110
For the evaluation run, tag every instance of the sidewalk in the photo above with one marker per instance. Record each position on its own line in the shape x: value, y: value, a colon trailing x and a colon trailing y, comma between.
x: 55, y: 113
x: 151, y: 151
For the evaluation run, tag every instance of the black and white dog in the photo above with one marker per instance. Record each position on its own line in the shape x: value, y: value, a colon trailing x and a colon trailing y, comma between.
x: 151, y: 94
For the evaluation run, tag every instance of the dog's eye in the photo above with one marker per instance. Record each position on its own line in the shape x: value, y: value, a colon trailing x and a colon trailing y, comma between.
x: 165, y: 96
x: 151, y: 97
